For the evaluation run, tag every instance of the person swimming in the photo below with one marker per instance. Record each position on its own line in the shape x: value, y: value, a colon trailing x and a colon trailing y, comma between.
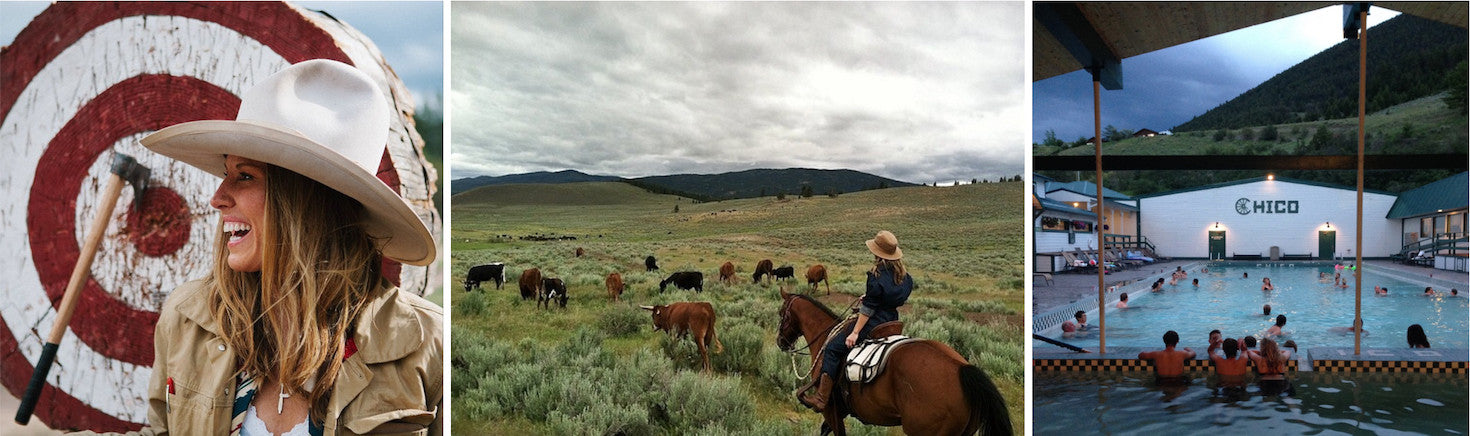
x: 1123, y: 300
x: 1266, y: 284
x: 1275, y: 330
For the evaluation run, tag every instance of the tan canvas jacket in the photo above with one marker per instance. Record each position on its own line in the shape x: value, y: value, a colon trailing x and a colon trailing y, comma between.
x: 392, y: 385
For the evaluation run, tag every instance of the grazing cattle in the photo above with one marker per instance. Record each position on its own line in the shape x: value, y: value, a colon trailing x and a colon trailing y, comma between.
x: 818, y: 273
x: 580, y: 252
x: 684, y: 280
x: 530, y: 283
x: 727, y: 272
x: 552, y: 290
x: 784, y: 273
x: 763, y: 268
x: 681, y: 319
x: 651, y: 263
x: 484, y: 273
x: 614, y: 286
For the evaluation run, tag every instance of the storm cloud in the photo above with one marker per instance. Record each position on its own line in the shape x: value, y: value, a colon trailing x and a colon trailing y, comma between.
x: 917, y: 92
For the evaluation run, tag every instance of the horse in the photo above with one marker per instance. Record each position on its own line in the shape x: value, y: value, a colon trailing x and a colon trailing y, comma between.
x: 927, y: 388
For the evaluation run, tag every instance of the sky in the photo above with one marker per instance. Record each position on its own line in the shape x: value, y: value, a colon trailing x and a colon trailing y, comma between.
x: 918, y: 92
x: 1168, y: 87
x: 409, y: 34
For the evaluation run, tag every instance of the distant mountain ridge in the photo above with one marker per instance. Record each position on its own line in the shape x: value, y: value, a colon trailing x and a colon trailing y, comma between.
x: 708, y: 187
x: 563, y: 176
x: 1408, y: 58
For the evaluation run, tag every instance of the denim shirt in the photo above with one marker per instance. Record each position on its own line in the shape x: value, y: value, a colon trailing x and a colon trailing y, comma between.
x: 883, y: 297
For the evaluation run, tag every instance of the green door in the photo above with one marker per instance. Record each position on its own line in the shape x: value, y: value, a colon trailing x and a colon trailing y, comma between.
x: 1326, y: 244
x: 1217, y: 244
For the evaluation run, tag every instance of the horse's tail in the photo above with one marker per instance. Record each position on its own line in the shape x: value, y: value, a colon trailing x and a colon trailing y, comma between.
x: 985, y: 400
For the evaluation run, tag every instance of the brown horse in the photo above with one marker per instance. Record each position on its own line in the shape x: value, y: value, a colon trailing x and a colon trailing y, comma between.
x: 928, y: 388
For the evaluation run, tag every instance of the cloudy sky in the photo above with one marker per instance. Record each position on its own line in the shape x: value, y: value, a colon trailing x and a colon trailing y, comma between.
x: 1168, y: 87
x: 409, y: 34
x: 917, y: 92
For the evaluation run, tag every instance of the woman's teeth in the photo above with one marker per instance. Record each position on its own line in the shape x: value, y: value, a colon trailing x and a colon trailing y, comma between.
x: 236, y: 230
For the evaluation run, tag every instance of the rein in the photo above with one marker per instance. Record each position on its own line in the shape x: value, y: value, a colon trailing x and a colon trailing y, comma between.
x: 786, y: 308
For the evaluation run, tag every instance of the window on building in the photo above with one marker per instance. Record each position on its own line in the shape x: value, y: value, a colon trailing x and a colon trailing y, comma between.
x: 1457, y: 223
x: 1426, y: 226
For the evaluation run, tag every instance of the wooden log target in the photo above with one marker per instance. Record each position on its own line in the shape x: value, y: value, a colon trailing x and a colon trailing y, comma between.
x: 85, y: 80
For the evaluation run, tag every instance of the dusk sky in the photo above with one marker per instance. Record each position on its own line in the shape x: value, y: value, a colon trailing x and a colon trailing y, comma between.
x: 918, y: 92
x: 409, y: 34
x: 1168, y: 87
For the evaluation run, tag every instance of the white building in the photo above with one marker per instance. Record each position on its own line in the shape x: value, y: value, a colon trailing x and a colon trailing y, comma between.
x: 1250, y: 217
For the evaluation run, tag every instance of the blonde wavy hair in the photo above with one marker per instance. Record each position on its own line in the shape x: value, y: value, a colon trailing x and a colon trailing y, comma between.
x: 896, y: 265
x: 1271, y: 356
x: 288, y: 322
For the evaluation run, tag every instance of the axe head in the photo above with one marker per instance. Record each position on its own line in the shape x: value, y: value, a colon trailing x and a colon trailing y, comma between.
x: 128, y: 169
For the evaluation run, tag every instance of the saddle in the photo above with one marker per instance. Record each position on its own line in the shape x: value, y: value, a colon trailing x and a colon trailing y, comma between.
x: 868, y: 358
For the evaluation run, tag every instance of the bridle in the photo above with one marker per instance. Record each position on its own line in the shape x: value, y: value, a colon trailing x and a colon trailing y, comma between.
x: 786, y: 318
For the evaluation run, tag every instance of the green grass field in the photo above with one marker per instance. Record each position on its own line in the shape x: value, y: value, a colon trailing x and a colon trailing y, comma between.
x: 597, y: 367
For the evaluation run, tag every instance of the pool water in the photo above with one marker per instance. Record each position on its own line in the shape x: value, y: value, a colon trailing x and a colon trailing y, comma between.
x: 1226, y: 301
x: 1323, y: 403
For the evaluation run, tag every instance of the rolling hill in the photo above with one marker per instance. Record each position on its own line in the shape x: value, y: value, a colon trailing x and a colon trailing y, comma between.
x: 1408, y: 58
x: 563, y: 176
x: 710, y: 187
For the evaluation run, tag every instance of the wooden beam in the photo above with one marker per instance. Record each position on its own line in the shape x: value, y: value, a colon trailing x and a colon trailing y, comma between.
x: 1449, y: 161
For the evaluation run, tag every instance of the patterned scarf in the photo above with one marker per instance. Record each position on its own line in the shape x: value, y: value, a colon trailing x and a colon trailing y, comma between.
x: 246, y: 385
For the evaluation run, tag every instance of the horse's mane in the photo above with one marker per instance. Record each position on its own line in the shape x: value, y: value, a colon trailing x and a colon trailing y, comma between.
x: 819, y: 305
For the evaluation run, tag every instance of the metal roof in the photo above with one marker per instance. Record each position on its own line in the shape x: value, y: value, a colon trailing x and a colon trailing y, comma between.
x: 1119, y: 30
x: 1085, y: 188
x: 1446, y: 194
x: 1061, y: 206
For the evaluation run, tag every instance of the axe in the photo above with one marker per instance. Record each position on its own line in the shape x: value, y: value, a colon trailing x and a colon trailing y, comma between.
x: 124, y: 170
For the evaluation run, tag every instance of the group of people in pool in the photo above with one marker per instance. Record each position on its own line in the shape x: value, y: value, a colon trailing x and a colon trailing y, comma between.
x: 1232, y: 358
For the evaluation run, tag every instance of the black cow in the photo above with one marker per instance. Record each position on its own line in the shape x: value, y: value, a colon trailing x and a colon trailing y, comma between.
x: 684, y: 280
x: 651, y: 263
x: 484, y: 273
x: 784, y: 273
x: 552, y: 290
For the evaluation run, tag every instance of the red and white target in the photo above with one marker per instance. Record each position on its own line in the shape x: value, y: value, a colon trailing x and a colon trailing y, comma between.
x: 85, y: 80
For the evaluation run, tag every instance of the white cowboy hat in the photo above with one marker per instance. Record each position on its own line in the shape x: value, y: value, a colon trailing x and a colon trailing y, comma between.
x: 322, y: 119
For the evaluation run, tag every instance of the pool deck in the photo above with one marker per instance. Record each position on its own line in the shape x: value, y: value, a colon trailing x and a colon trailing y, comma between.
x: 1067, y: 288
x: 1451, y: 361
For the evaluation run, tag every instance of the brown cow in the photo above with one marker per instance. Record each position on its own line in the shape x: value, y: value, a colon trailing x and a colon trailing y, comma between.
x: 818, y: 273
x: 580, y: 252
x: 530, y: 283
x: 680, y: 319
x: 762, y: 269
x: 727, y: 273
x: 614, y: 286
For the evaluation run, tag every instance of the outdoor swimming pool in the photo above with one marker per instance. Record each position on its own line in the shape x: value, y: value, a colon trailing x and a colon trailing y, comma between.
x: 1226, y: 301
x: 1129, y: 402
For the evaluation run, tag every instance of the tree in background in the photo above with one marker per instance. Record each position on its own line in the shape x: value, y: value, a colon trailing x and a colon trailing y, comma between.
x: 1456, y: 80
x: 806, y: 191
x: 1269, y: 133
x: 1051, y: 139
x: 1220, y: 135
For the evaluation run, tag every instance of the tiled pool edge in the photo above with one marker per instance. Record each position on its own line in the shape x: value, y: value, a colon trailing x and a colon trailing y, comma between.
x: 1326, y: 359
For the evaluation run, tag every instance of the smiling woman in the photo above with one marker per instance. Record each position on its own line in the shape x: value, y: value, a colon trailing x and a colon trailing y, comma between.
x: 295, y: 330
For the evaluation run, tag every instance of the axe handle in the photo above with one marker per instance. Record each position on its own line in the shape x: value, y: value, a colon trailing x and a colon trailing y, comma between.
x: 79, y: 276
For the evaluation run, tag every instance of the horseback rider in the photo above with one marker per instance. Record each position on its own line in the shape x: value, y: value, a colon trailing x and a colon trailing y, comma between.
x: 888, y: 288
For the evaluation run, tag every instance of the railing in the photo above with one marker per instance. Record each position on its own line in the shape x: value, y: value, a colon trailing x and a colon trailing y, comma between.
x: 1451, y: 244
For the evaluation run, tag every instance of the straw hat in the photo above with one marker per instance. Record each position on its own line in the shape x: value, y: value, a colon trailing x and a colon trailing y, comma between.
x: 885, y: 245
x: 324, y: 120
